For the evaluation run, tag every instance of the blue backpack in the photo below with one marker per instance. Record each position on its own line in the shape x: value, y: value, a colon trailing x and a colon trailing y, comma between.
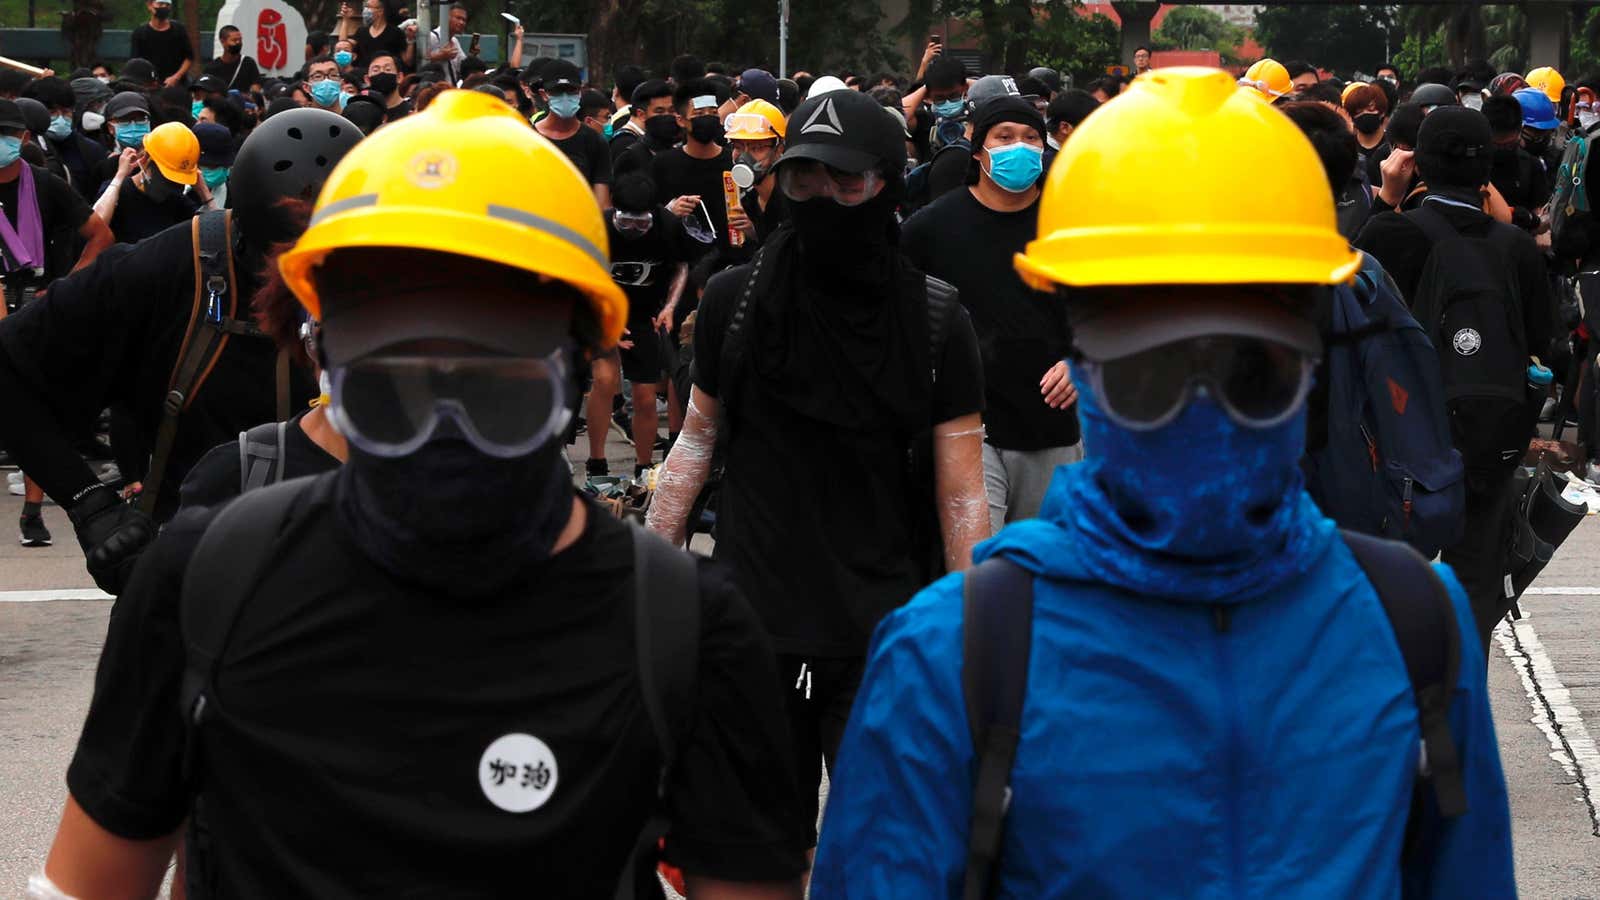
x: 1389, y: 468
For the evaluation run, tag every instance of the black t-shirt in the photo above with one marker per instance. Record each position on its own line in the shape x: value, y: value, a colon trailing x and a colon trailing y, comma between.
x: 238, y: 75
x: 166, y: 50
x: 62, y: 211
x: 588, y: 151
x: 653, y: 258
x: 138, y: 217
x: 621, y: 139
x: 350, y: 750
x: 948, y: 171
x: 390, y: 40
x: 676, y: 173
x: 396, y: 112
x: 1021, y: 334
x: 217, y: 478
x: 81, y: 157
x: 817, y: 520
x: 108, y: 335
x: 636, y: 156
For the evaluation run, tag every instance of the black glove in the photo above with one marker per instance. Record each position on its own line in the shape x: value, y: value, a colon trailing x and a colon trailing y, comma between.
x: 112, y: 534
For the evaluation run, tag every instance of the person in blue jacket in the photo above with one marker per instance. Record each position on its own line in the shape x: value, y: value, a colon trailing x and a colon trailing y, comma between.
x: 1216, y: 703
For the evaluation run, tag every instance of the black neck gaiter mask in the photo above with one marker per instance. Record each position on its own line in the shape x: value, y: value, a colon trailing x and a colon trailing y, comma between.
x: 451, y: 519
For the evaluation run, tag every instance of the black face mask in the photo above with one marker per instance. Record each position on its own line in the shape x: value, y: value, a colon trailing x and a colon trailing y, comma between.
x: 831, y: 232
x: 156, y: 187
x: 1536, y: 145
x: 232, y: 49
x: 163, y: 13
x: 663, y: 129
x: 450, y: 519
x: 1369, y: 123
x: 1505, y: 153
x: 384, y: 82
x: 706, y: 129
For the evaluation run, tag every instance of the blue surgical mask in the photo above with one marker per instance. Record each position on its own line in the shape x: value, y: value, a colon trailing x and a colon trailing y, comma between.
x: 344, y: 100
x: 367, y: 16
x: 195, y: 108
x: 326, y: 92
x: 214, y: 175
x: 344, y: 58
x: 607, y: 131
x: 60, y: 127
x: 1015, y: 167
x: 565, y: 106
x: 132, y: 134
x: 946, y: 109
x: 10, y: 150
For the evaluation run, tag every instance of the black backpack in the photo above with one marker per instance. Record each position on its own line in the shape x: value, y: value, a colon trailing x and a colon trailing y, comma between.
x: 235, y: 550
x: 1468, y: 302
x: 997, y: 635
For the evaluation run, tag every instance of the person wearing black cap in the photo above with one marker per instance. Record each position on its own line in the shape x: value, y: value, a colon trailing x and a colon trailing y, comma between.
x: 1512, y: 322
x: 563, y: 96
x: 1030, y: 414
x: 164, y: 43
x: 216, y: 156
x: 831, y: 357
x: 77, y: 154
x: 754, y: 84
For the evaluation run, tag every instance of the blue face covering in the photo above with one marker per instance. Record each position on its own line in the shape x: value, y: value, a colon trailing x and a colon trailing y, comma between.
x: 565, y: 106
x: 1015, y: 167
x: 343, y: 58
x: 607, y: 131
x: 214, y: 175
x: 132, y: 134
x: 10, y: 150
x: 326, y: 92
x: 195, y: 107
x: 946, y: 109
x: 344, y: 100
x: 60, y: 127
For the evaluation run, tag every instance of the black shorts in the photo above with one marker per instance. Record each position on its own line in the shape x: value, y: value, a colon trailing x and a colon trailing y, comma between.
x: 819, y: 692
x: 642, y: 364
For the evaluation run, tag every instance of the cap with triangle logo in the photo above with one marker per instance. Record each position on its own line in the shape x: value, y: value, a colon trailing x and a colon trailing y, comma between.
x: 847, y: 130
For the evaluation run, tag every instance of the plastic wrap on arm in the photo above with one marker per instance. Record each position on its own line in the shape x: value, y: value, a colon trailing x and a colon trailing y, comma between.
x: 684, y: 473
x: 963, y: 502
x: 40, y: 887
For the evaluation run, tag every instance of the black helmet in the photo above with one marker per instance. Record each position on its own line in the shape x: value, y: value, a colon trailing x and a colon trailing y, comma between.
x: 847, y: 130
x: 1046, y: 76
x: 1434, y: 95
x: 35, y: 115
x: 287, y: 156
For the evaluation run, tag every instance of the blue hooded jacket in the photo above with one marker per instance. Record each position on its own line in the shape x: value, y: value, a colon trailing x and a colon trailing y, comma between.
x: 1162, y: 755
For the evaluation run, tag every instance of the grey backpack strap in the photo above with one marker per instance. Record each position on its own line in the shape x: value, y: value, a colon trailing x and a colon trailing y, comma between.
x: 996, y: 639
x: 261, y: 455
x: 666, y: 589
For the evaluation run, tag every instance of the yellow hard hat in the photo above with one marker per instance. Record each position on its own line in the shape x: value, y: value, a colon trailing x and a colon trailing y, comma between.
x: 1548, y: 80
x: 1268, y: 78
x: 1345, y: 94
x: 757, y: 120
x: 442, y: 180
x: 1186, y: 179
x: 175, y: 151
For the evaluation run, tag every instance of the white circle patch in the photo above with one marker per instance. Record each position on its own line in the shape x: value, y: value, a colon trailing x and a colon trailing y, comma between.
x: 518, y: 773
x: 1467, y: 341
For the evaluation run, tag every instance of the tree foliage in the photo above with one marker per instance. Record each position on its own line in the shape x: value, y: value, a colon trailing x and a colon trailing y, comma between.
x: 1198, y: 28
x: 1338, y: 38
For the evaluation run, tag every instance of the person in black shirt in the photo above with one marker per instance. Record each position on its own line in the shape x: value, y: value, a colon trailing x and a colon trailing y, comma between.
x: 78, y: 154
x: 1030, y: 411
x: 562, y: 91
x: 1515, y: 173
x: 233, y: 68
x: 689, y: 179
x: 755, y: 135
x: 650, y: 258
x: 654, y: 121
x: 164, y: 43
x: 380, y: 35
x: 383, y: 80
x: 830, y: 381
x: 446, y: 597
x: 153, y: 199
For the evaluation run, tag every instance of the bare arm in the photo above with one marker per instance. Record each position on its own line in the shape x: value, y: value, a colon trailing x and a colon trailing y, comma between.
x: 680, y: 280
x: 97, y: 236
x: 602, y: 195
x: 958, y: 488
x: 88, y: 862
x: 106, y: 205
x: 516, y: 47
x: 911, y: 103
x: 684, y: 473
x: 715, y: 889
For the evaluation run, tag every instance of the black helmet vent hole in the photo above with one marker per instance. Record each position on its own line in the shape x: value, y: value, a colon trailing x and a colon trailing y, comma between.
x: 283, y: 165
x: 334, y: 131
x: 322, y: 162
x: 295, y: 133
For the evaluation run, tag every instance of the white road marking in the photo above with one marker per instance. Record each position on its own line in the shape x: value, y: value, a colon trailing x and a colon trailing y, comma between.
x: 1563, y: 591
x: 1553, y: 713
x: 54, y: 594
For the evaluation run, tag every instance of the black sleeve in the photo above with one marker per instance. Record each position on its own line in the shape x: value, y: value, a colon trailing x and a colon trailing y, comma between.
x: 127, y: 772
x: 914, y: 238
x: 733, y: 800
x: 659, y: 174
x: 186, y: 51
x: 214, y: 479
x: 711, y: 323
x: 66, y: 209
x: 959, y: 390
x: 1399, y: 246
x: 948, y: 172
x: 140, y: 42
x: 599, y: 157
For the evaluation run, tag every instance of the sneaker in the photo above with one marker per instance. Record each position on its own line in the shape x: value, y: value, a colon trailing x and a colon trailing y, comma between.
x: 34, y: 534
x: 1548, y: 413
x: 595, y: 467
x: 17, y: 488
x: 14, y: 478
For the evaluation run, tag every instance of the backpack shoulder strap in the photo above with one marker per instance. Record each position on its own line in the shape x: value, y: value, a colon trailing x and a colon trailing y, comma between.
x: 221, y: 577
x: 736, y: 339
x: 1424, y: 621
x: 666, y: 595
x: 996, y: 637
x: 261, y: 455
x: 943, y: 297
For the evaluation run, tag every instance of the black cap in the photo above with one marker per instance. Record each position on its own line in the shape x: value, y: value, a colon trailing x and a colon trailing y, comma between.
x: 139, y: 70
x: 209, y: 83
x: 1435, y: 95
x: 560, y: 74
x: 847, y: 130
x: 126, y: 102
x: 216, y: 144
x: 35, y: 114
x: 11, y: 115
x: 1453, y: 148
x: 1047, y: 76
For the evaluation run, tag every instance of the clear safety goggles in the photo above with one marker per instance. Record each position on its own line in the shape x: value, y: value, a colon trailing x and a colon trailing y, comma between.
x: 749, y: 123
x: 802, y: 180
x: 639, y: 273
x: 1258, y: 383
x: 504, y: 406
x: 632, y: 222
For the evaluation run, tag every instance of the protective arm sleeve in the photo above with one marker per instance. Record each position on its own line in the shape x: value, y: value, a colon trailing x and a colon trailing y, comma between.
x: 684, y: 473
x: 958, y: 475
x: 1470, y: 855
